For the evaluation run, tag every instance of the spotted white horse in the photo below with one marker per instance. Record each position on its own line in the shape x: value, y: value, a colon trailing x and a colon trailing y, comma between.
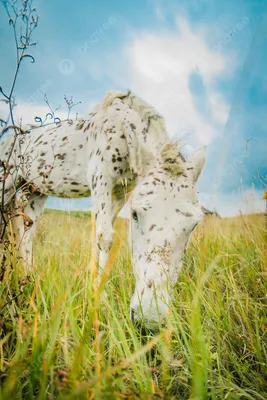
x: 118, y: 148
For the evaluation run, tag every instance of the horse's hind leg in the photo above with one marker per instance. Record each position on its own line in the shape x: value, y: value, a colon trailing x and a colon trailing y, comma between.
x: 24, y: 227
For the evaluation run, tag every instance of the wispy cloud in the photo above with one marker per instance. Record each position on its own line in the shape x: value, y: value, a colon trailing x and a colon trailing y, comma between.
x: 159, y: 66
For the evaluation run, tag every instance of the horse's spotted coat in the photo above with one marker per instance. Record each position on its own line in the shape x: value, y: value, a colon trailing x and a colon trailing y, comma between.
x: 121, y: 144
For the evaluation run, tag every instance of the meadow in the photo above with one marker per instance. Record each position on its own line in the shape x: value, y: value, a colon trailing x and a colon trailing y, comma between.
x: 59, y: 341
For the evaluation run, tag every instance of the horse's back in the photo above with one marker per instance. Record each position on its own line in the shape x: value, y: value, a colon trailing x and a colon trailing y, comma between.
x: 60, y: 159
x: 56, y: 159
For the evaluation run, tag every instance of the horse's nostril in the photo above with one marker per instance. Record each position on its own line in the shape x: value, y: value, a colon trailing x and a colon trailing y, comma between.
x: 132, y: 314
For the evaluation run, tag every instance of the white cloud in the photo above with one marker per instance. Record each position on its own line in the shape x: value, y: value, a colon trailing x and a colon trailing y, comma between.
x: 219, y: 107
x: 248, y: 201
x: 157, y: 66
x: 27, y: 112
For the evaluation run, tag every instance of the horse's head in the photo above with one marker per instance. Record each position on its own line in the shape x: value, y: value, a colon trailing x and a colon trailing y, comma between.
x: 165, y: 210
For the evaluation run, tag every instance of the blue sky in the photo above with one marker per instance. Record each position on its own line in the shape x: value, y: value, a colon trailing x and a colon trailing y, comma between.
x: 202, y: 63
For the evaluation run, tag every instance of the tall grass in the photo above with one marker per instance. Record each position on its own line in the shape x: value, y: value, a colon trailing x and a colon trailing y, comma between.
x: 57, y: 341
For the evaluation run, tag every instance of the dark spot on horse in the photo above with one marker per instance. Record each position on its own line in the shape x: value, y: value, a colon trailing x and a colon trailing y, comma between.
x: 38, y: 138
x: 149, y: 284
x: 122, y: 136
x: 108, y: 147
x: 80, y: 124
x: 65, y: 138
x: 87, y: 127
x: 152, y: 227
x: 188, y: 214
x: 74, y: 183
x: 61, y: 156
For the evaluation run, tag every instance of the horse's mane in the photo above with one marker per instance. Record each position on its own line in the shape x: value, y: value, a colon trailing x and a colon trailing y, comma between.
x: 111, y: 96
x: 154, y: 120
x: 168, y: 152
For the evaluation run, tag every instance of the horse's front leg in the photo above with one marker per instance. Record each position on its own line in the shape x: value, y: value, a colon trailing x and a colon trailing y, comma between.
x: 101, y: 192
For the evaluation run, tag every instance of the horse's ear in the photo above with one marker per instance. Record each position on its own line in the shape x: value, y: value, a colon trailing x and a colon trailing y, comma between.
x: 171, y: 159
x: 196, y: 162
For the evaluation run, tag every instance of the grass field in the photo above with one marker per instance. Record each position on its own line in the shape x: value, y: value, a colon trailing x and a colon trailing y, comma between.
x: 58, y: 342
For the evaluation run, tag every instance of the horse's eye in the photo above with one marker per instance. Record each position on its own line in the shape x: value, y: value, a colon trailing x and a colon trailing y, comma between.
x: 135, y: 216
